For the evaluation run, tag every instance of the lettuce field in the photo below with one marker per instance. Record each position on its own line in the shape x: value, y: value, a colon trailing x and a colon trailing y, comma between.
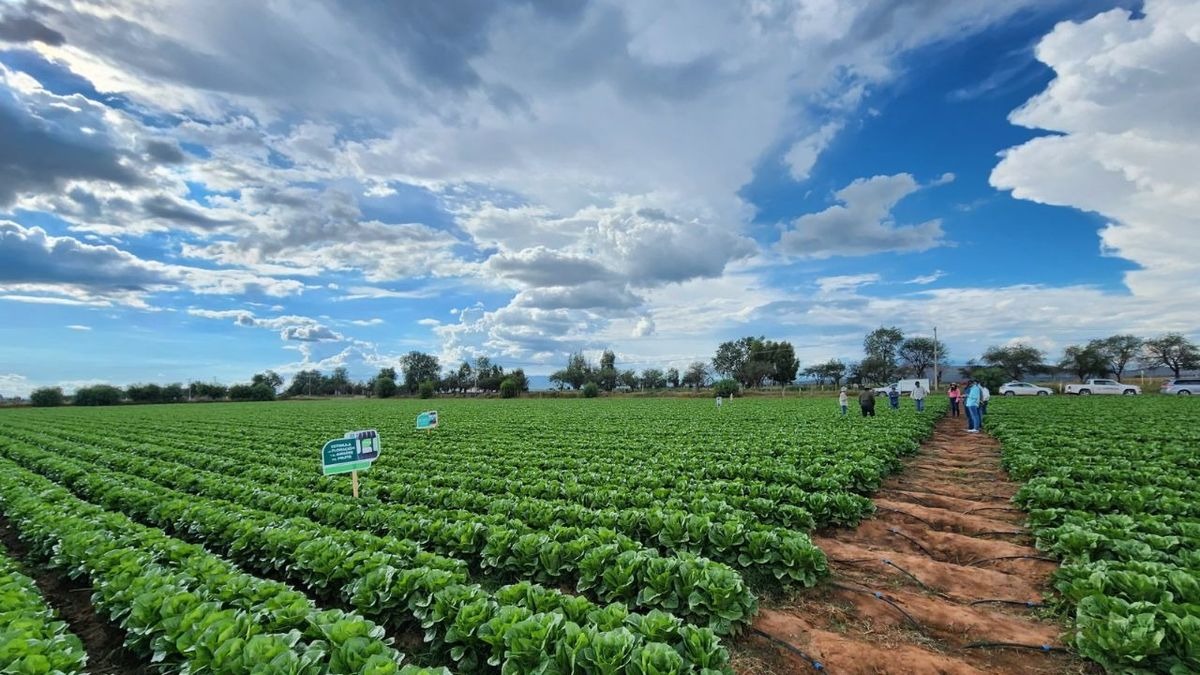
x: 543, y: 536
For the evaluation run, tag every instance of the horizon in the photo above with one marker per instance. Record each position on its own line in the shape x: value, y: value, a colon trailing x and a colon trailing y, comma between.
x: 199, y: 193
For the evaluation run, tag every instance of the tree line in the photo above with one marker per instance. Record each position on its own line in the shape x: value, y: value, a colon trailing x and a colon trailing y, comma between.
x: 748, y: 362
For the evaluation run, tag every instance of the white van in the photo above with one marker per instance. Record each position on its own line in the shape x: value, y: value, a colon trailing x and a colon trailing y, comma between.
x: 904, y: 386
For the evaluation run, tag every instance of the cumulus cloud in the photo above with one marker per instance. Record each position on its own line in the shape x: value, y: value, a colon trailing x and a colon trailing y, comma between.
x: 290, y: 327
x: 16, y: 26
x: 79, y: 327
x: 1124, y: 101
x: 862, y: 223
x: 14, y: 385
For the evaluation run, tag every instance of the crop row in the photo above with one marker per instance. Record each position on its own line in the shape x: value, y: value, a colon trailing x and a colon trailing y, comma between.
x: 1112, y: 488
x: 32, y: 638
x: 179, y: 604
x: 475, y: 628
x: 505, y: 545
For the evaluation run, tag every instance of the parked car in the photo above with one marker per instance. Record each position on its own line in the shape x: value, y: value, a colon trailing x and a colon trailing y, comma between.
x: 1023, y: 389
x: 1098, y: 386
x: 904, y: 386
x: 1182, y: 386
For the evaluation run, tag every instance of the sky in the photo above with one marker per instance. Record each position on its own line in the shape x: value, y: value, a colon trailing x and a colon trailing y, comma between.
x: 201, y: 191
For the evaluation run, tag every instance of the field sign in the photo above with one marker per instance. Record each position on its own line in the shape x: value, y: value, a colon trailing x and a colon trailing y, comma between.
x: 353, y: 452
x: 427, y: 420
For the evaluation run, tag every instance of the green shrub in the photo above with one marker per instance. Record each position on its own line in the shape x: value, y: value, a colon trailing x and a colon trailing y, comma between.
x: 725, y: 388
x: 100, y: 394
x: 385, y: 387
x: 590, y: 390
x: 508, y: 388
x: 425, y: 390
x: 47, y: 397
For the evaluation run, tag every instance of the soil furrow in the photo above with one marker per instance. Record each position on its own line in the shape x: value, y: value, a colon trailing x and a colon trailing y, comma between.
x: 944, y: 570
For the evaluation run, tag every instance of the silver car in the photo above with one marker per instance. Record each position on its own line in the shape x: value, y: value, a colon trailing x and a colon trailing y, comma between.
x: 1023, y: 389
x: 1183, y: 386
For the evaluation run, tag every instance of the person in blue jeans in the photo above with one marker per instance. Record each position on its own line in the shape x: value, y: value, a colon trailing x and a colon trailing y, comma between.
x: 894, y: 398
x: 918, y: 395
x: 844, y: 402
x: 972, y: 400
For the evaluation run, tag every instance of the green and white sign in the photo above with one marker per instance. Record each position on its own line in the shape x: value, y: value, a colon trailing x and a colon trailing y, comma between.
x: 353, y: 452
x: 427, y: 420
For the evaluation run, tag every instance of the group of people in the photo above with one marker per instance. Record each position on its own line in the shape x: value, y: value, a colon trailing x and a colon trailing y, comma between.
x: 973, y: 397
x: 866, y: 400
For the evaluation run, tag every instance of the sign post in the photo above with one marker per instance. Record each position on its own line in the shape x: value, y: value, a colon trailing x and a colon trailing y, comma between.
x: 354, y: 452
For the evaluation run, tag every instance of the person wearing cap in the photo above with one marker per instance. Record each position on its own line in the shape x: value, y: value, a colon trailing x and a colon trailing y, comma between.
x: 954, y: 395
x: 843, y: 401
x: 866, y: 401
x: 974, y: 395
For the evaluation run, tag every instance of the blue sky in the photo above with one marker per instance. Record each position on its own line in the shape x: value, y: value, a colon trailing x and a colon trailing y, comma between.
x: 198, y: 193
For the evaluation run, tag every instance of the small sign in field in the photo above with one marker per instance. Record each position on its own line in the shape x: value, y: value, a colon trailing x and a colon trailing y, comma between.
x: 353, y: 452
x: 427, y: 420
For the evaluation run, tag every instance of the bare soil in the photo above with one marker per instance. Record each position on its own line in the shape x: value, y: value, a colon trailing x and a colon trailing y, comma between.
x: 942, y: 573
x: 71, y: 598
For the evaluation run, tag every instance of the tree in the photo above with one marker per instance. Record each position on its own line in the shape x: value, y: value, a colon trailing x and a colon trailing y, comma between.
x: 1172, y: 350
x: 578, y: 371
x: 726, y: 387
x: 834, y: 370
x: 672, y: 377
x: 782, y: 358
x: 508, y: 388
x: 519, y: 379
x: 304, y: 383
x: 100, y: 394
x: 419, y: 367
x: 389, y: 373
x: 880, y: 347
x: 755, y: 360
x: 209, y: 390
x: 269, y: 378
x: 1119, y: 350
x: 144, y: 393
x: 629, y: 378
x: 1084, y: 361
x: 338, y: 383
x: 425, y: 389
x: 731, y: 357
x: 173, y: 393
x: 260, y: 391
x: 607, y: 375
x: 696, y: 375
x: 652, y: 378
x: 1016, y: 359
x: 919, y: 353
x: 591, y: 390
x: 874, y: 370
x: 47, y: 397
x: 385, y: 387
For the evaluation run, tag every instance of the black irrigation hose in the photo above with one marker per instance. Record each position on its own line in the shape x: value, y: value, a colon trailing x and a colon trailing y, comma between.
x: 1023, y: 603
x: 1014, y: 645
x: 984, y: 534
x: 916, y: 543
x: 905, y: 513
x: 853, y: 561
x: 992, y: 508
x: 920, y: 583
x: 879, y: 596
x: 1013, y: 557
x: 817, y: 665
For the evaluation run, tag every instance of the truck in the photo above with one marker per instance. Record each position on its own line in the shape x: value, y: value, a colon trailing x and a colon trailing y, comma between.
x: 1098, y: 386
x: 904, y: 386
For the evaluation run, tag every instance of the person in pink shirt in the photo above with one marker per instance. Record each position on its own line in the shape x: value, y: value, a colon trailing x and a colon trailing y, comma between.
x: 955, y: 397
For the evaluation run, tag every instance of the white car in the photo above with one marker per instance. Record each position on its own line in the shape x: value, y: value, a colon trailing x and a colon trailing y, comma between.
x: 1184, y: 386
x: 1099, y: 386
x: 1023, y: 389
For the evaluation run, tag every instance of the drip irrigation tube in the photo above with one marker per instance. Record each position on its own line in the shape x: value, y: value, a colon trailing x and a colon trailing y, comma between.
x: 991, y: 508
x: 1014, y: 645
x: 905, y: 513
x: 985, y: 534
x: 1023, y: 603
x: 880, y: 596
x: 816, y: 665
x: 910, y: 575
x: 1012, y: 557
x: 916, y: 543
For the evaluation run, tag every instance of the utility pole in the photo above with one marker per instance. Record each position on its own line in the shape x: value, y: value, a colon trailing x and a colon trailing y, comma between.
x: 935, y: 359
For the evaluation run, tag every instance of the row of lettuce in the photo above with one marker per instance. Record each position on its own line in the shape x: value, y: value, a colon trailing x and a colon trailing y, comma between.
x: 32, y: 637
x: 662, y: 559
x: 1113, y: 489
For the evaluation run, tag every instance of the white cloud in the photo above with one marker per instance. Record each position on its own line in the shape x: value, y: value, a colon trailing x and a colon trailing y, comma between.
x: 804, y: 153
x: 862, y: 224
x: 13, y: 385
x: 429, y: 322
x: 1124, y: 101
x: 367, y: 322
x: 79, y: 327
x: 846, y: 282
x: 926, y: 279
x: 644, y: 327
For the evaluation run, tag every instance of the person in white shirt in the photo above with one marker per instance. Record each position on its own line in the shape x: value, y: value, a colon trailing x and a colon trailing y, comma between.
x: 984, y: 395
x: 918, y: 395
x: 843, y: 401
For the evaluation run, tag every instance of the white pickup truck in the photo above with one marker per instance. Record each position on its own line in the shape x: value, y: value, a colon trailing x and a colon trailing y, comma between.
x: 1103, y: 387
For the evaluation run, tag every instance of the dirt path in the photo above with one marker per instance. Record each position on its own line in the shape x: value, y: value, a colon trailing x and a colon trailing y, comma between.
x: 945, y: 565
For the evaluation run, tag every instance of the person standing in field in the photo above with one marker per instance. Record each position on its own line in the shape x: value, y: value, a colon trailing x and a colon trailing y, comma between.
x: 954, y: 395
x: 866, y: 401
x: 973, y: 399
x: 842, y: 401
x: 894, y: 398
x: 985, y: 395
x: 918, y: 395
